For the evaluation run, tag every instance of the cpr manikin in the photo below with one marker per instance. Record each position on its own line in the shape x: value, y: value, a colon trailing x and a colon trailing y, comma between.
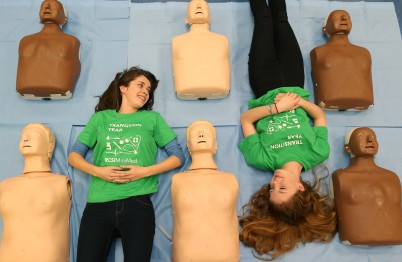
x: 48, y: 65
x: 341, y: 71
x: 200, y: 58
x: 204, y: 203
x: 367, y: 197
x: 35, y: 205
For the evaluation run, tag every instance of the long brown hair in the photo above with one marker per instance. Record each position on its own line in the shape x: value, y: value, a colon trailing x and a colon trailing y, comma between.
x: 111, y: 98
x: 276, y: 229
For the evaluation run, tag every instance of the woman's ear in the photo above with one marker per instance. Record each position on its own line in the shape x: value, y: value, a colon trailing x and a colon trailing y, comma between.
x: 300, y: 187
x: 123, y: 89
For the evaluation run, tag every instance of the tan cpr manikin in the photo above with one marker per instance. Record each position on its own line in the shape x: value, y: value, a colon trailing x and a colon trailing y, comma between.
x: 35, y: 205
x: 48, y: 65
x: 341, y: 71
x: 200, y: 58
x: 367, y: 197
x: 205, y: 226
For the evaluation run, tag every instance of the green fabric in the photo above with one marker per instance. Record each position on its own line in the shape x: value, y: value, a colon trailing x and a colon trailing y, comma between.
x: 285, y: 137
x: 124, y: 139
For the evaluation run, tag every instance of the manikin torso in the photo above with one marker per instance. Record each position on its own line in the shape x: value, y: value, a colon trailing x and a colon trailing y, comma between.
x: 48, y: 65
x: 35, y: 210
x: 341, y: 74
x: 201, y: 64
x: 368, y: 203
x: 35, y: 205
x: 205, y: 217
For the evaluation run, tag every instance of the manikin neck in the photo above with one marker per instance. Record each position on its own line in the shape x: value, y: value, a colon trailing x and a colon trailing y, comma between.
x: 340, y: 38
x: 202, y: 161
x: 51, y: 28
x: 362, y: 162
x: 199, y: 28
x: 36, y: 164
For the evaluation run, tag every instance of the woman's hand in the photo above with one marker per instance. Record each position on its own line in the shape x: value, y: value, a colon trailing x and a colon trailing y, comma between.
x: 287, y: 101
x: 107, y: 173
x: 125, y: 174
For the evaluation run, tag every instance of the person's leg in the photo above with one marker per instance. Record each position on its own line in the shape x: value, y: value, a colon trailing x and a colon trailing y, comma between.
x: 287, y: 48
x: 136, y: 223
x: 96, y: 231
x: 263, y: 69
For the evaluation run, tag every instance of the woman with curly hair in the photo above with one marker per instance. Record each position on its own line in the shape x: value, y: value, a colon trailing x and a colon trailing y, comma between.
x: 279, y: 137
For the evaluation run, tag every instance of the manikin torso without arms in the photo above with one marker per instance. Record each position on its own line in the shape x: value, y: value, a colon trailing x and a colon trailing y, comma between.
x: 35, y: 206
x: 200, y: 58
x: 367, y: 197
x: 48, y: 65
x: 341, y: 71
x: 204, y: 204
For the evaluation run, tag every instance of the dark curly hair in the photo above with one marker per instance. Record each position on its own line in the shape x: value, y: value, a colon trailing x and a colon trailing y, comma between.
x: 111, y: 98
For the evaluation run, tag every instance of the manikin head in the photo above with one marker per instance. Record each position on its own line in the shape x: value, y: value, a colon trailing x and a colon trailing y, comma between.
x: 337, y: 22
x: 201, y: 137
x: 197, y: 12
x: 37, y: 140
x: 361, y: 141
x: 52, y: 11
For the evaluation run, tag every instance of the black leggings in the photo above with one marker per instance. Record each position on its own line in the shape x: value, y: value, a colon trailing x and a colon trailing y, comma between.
x: 275, y: 59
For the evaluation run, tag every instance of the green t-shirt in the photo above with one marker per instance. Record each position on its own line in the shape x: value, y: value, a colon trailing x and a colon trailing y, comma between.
x: 124, y: 139
x: 285, y: 137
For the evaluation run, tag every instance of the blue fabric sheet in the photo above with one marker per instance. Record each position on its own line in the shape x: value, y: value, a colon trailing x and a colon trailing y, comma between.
x: 118, y: 34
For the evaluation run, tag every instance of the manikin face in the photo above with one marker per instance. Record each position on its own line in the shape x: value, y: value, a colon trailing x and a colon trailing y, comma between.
x: 283, y: 186
x: 338, y: 23
x: 201, y: 138
x: 362, y: 142
x: 34, y: 142
x: 52, y: 11
x: 197, y: 12
x: 136, y: 94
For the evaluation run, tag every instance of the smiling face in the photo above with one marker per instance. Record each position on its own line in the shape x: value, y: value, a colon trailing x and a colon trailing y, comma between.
x: 52, y: 11
x: 283, y: 186
x: 197, y: 12
x: 338, y: 23
x: 135, y: 95
x: 34, y: 142
x: 201, y: 137
x: 362, y: 142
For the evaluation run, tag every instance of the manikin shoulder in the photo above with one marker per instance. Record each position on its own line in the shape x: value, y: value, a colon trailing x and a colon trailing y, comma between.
x: 39, y: 38
x: 211, y: 36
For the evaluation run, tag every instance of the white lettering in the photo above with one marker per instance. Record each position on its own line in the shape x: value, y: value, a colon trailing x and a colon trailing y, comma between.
x: 112, y: 160
x: 286, y: 144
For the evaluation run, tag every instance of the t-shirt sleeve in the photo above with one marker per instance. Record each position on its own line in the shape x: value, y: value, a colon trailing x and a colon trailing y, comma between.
x: 88, y: 135
x: 163, y: 133
x: 321, y: 144
x: 254, y: 153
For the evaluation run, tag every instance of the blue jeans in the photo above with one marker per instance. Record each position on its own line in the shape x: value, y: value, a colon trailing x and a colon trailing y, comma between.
x: 133, y: 219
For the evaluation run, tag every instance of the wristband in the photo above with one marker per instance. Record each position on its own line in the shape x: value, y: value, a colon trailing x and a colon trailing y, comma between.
x: 277, y: 111
x: 270, y: 110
